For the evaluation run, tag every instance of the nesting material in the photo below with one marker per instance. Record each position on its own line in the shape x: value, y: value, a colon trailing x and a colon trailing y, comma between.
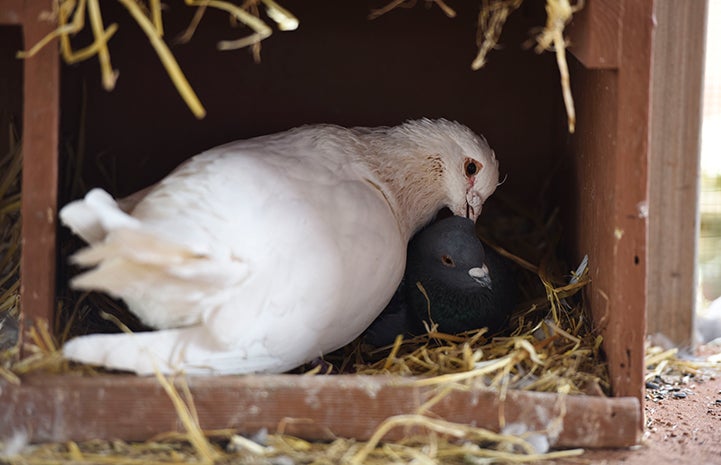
x: 493, y: 16
x: 551, y: 348
x: 672, y: 375
x: 491, y: 19
x: 70, y: 16
x: 559, y: 13
x: 277, y: 449
x: 450, y: 12
x: 10, y: 173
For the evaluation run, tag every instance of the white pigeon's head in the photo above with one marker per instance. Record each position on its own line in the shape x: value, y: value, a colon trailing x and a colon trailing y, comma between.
x: 470, y: 168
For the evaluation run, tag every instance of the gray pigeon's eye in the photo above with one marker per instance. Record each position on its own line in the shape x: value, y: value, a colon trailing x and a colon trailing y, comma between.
x: 448, y: 261
x: 471, y: 167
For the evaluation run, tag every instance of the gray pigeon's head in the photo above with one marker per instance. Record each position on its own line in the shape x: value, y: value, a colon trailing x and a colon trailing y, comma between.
x: 464, y: 286
x: 450, y: 253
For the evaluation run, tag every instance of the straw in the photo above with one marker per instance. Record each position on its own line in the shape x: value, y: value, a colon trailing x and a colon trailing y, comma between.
x: 70, y: 16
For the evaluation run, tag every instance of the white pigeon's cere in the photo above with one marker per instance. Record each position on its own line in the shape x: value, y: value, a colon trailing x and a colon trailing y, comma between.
x: 263, y: 254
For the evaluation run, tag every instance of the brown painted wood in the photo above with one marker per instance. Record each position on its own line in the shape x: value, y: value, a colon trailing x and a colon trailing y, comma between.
x: 12, y: 11
x: 61, y: 408
x: 627, y: 240
x: 676, y: 100
x: 40, y: 168
x: 608, y: 162
x: 595, y: 34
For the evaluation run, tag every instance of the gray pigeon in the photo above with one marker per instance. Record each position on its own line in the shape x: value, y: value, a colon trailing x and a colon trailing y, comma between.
x: 468, y: 286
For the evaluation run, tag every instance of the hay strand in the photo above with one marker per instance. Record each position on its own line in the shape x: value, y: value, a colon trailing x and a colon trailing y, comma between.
x: 378, y: 12
x: 109, y: 76
x: 664, y: 362
x: 41, y: 352
x: 261, y: 30
x: 559, y: 13
x: 166, y: 57
x: 521, y: 451
x: 207, y: 453
x: 491, y: 18
x: 285, y: 20
x: 157, y: 16
x: 70, y: 16
x: 10, y: 247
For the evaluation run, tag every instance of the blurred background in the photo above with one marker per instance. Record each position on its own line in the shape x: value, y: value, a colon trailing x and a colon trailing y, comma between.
x: 709, y: 250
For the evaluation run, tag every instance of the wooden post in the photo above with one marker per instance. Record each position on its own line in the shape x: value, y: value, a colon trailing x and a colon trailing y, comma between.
x: 607, y: 158
x: 40, y: 163
x: 676, y: 95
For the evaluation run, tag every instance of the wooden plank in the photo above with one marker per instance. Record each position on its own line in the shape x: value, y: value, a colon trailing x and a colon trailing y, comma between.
x: 11, y: 11
x: 605, y: 186
x: 40, y: 169
x: 595, y: 34
x: 62, y: 408
x: 625, y: 332
x: 676, y: 102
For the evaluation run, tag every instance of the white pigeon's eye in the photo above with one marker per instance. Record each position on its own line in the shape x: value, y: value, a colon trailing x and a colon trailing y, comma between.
x: 448, y: 261
x: 472, y: 167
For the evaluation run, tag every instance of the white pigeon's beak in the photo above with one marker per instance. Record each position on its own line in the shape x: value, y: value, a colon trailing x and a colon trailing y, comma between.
x: 472, y: 213
x: 474, y: 204
x: 481, y: 275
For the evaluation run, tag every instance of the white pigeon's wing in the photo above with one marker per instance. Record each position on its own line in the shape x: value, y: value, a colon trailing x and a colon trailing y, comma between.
x: 313, y: 251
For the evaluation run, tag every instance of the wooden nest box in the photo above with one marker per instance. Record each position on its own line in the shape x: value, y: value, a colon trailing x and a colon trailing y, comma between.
x: 340, y: 67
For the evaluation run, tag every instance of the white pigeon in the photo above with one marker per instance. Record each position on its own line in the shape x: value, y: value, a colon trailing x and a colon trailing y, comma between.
x: 263, y: 254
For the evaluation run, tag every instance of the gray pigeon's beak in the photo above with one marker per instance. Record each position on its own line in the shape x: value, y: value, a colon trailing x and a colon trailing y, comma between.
x: 481, y: 276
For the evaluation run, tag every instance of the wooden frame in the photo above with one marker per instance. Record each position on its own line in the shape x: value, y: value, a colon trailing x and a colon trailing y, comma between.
x: 134, y: 408
x: 608, y: 158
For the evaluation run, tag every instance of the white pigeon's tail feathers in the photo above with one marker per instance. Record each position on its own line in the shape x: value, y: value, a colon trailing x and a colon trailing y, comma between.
x: 165, y: 283
x: 95, y: 215
x: 136, y: 245
x: 189, y: 350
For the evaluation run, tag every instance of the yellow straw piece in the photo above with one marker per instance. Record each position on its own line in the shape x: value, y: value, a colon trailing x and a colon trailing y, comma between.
x: 167, y: 58
x: 157, y: 15
x: 96, y: 23
x: 262, y: 30
x: 205, y: 449
x: 285, y: 19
